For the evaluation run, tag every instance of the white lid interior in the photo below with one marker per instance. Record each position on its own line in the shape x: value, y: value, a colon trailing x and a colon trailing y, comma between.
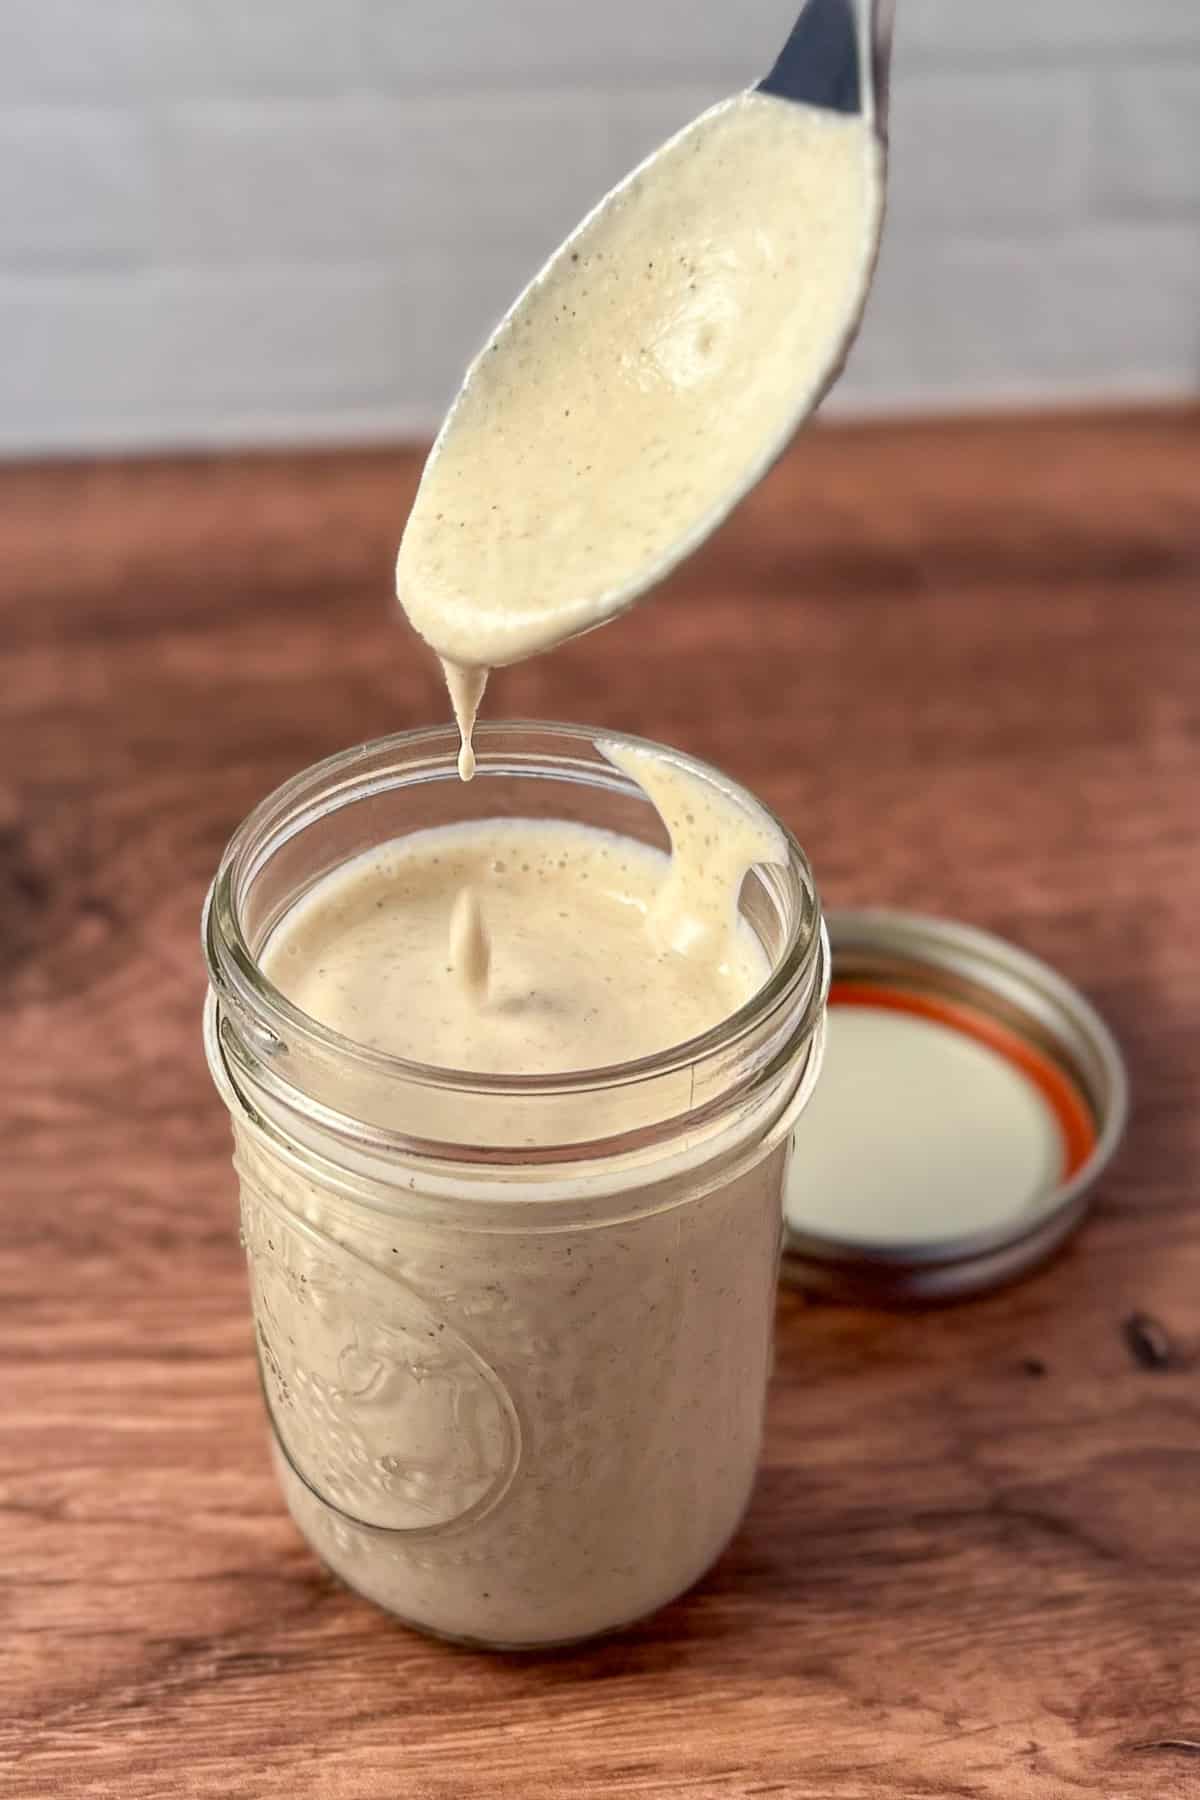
x: 918, y: 1133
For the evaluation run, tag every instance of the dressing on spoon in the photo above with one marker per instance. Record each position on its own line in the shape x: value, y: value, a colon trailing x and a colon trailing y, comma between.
x: 644, y: 380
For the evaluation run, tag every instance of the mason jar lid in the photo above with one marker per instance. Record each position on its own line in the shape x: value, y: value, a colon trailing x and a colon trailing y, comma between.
x: 970, y: 1100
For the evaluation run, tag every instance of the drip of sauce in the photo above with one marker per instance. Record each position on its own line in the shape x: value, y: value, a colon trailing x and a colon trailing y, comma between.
x: 658, y: 361
x: 465, y: 686
x: 714, y: 842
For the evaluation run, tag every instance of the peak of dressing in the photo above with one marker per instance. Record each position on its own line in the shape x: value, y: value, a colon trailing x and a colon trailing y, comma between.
x: 656, y: 366
x: 465, y: 687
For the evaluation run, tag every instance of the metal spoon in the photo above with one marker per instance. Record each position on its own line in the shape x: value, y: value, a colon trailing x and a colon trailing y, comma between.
x: 836, y: 60
x: 830, y: 61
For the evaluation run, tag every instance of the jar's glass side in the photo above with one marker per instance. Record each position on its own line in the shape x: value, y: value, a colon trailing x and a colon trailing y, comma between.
x: 515, y: 1378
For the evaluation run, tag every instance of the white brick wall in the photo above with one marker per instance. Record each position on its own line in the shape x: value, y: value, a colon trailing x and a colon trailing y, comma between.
x: 364, y: 177
x: 294, y: 219
x: 1148, y: 150
x: 131, y: 52
x: 74, y: 188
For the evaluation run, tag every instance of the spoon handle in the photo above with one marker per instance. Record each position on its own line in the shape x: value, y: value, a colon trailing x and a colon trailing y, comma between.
x: 829, y: 61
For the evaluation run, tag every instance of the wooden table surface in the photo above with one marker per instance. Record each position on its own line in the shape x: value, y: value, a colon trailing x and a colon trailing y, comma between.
x: 963, y: 660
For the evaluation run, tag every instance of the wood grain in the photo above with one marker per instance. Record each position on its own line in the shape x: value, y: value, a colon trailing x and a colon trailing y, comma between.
x: 964, y: 661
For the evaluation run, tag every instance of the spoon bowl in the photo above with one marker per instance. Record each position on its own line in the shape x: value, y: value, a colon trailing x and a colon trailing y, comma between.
x: 661, y: 360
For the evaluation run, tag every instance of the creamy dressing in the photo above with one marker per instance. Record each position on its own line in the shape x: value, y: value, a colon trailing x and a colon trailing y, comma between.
x: 715, y: 840
x: 651, y: 371
x: 536, y: 946
x: 390, y: 950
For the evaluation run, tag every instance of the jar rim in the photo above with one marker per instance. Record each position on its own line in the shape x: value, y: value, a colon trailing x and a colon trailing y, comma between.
x: 430, y: 752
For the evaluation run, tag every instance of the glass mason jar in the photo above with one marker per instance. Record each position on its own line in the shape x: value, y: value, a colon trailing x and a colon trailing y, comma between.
x: 514, y: 1332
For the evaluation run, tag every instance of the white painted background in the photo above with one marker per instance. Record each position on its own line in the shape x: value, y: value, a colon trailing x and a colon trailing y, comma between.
x: 292, y: 220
